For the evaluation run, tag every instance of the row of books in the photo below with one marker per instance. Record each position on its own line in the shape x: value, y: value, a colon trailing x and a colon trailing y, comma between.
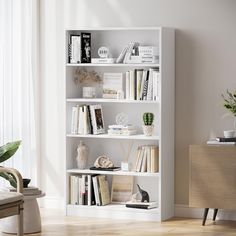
x: 134, y: 53
x: 89, y: 190
x: 79, y: 48
x: 147, y: 159
x: 122, y: 130
x: 142, y: 84
x: 84, y: 119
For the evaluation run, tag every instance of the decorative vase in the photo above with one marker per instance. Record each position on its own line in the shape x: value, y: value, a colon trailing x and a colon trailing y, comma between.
x: 82, y: 155
x: 148, y: 130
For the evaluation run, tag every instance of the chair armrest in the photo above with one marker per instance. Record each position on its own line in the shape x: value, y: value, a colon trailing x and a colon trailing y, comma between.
x: 16, y: 174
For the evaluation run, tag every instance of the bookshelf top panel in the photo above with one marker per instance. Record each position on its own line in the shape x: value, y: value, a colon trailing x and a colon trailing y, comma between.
x: 112, y: 65
x: 119, y: 172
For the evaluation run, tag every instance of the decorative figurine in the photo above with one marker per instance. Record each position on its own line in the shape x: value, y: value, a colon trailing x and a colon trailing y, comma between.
x: 82, y: 155
x: 144, y: 194
x: 103, y: 162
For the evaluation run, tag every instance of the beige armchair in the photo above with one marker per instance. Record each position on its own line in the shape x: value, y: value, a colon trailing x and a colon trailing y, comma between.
x: 11, y: 203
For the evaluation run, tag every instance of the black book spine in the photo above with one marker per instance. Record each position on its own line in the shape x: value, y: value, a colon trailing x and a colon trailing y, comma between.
x: 221, y: 139
x: 137, y: 206
x: 85, y: 48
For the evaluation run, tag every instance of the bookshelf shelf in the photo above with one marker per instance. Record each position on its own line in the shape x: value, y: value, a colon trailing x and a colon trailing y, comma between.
x: 119, y: 172
x: 118, y: 211
x: 101, y: 100
x: 112, y: 65
x: 159, y: 185
x: 107, y: 136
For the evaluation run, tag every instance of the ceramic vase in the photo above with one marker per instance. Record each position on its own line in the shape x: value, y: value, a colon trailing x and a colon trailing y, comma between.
x: 82, y: 155
x: 148, y: 130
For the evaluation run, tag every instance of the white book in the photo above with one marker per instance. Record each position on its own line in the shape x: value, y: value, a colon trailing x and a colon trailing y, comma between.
x: 89, y: 190
x: 96, y: 191
x: 214, y: 142
x: 139, y: 75
x: 148, y: 50
x: 85, y: 117
x: 150, y: 85
x: 75, y: 56
x: 127, y: 85
x: 156, y: 82
x: 144, y: 162
x: 81, y: 120
x: 74, y: 120
x: 128, y: 52
x: 103, y: 60
x: 120, y: 59
x: 148, y: 159
x: 131, y: 85
x: 142, y: 154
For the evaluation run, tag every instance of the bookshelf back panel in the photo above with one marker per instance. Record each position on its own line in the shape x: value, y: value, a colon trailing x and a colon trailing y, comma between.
x: 116, y: 40
x: 110, y: 111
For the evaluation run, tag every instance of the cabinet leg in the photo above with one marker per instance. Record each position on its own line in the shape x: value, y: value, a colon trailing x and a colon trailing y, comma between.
x: 215, y: 213
x: 205, y: 216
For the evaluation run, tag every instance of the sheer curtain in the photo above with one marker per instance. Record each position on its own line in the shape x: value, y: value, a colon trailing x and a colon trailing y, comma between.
x: 19, y: 83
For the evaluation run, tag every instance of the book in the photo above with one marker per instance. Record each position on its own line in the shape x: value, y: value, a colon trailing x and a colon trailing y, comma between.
x: 74, y: 49
x: 85, y: 47
x: 103, y: 60
x: 96, y: 191
x: 156, y: 77
x: 154, y: 156
x: 148, y: 50
x: 150, y: 85
x: 112, y: 83
x: 104, y: 190
x: 127, y: 85
x: 122, y: 127
x: 142, y: 205
x: 74, y: 120
x: 145, y: 87
x: 138, y: 76
x: 131, y: 85
x: 120, y: 58
x: 223, y: 139
x: 105, y: 169
x: 128, y: 52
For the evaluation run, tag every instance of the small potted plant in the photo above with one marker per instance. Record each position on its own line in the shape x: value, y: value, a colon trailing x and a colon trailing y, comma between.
x: 148, y: 126
x: 230, y: 104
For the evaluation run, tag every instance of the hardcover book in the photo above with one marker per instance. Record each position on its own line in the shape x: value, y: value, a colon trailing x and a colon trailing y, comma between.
x: 85, y: 48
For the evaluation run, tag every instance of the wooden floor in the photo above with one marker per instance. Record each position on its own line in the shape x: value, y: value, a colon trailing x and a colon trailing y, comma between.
x: 55, y: 224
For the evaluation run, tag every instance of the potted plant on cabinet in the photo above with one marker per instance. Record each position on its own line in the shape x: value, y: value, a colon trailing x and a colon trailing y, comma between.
x: 148, y: 126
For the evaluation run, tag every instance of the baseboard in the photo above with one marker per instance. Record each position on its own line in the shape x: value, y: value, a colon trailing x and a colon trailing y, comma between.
x: 186, y: 211
x: 52, y: 203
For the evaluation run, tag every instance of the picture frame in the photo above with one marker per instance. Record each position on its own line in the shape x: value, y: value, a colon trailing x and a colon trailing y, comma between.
x: 122, y: 189
x: 97, y: 119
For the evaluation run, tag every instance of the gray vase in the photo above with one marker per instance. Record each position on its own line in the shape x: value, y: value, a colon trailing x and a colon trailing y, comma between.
x: 82, y: 155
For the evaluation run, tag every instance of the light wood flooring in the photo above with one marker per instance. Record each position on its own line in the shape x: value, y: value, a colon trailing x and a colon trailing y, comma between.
x: 54, y: 223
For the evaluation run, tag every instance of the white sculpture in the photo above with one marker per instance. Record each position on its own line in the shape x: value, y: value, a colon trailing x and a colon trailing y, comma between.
x: 82, y: 155
x: 103, y: 162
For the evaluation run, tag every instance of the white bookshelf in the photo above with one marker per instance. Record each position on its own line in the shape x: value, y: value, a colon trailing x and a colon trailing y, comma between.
x: 160, y: 186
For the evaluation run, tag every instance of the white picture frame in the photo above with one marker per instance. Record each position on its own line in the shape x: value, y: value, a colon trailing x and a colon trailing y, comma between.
x: 97, y: 119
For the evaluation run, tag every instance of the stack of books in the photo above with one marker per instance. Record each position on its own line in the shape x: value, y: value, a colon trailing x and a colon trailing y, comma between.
x: 141, y: 205
x: 122, y: 130
x: 222, y: 141
x: 28, y: 191
x: 134, y: 53
x: 89, y: 190
x: 142, y: 84
x: 147, y: 159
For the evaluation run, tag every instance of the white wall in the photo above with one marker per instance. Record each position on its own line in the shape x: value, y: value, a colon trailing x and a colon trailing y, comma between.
x: 205, y: 67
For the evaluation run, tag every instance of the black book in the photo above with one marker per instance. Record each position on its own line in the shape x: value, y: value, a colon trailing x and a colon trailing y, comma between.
x: 223, y: 139
x: 141, y: 205
x: 85, y: 48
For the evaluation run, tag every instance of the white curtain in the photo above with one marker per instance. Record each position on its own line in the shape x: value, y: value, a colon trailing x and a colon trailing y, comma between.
x: 19, y: 83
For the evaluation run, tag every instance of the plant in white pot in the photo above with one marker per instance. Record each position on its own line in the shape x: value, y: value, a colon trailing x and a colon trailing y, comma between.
x: 148, y: 126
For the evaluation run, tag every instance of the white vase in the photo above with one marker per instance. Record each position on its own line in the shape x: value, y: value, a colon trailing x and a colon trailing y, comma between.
x: 148, y: 130
x: 82, y: 155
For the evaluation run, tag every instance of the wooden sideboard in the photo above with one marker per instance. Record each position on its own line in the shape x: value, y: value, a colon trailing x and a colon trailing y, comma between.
x: 212, y: 177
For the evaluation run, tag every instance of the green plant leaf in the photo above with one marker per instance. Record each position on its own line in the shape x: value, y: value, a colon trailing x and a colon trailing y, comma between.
x: 9, y: 178
x: 8, y: 150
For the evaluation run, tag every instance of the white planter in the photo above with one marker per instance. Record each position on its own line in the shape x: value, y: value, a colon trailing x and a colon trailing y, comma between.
x: 148, y: 130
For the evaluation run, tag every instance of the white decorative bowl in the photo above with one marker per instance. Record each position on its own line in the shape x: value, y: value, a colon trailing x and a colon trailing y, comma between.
x: 229, y: 133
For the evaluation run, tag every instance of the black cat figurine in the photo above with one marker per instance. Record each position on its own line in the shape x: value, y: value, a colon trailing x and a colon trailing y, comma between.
x: 144, y: 194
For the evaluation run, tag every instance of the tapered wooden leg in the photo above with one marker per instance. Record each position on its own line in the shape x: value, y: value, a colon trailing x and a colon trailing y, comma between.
x: 215, y: 213
x: 20, y: 230
x: 205, y: 216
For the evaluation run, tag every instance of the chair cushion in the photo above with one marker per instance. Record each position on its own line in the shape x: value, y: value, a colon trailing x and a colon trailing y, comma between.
x: 9, y: 197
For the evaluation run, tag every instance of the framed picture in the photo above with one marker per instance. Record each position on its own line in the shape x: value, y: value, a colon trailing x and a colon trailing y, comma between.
x: 122, y: 189
x: 97, y: 119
